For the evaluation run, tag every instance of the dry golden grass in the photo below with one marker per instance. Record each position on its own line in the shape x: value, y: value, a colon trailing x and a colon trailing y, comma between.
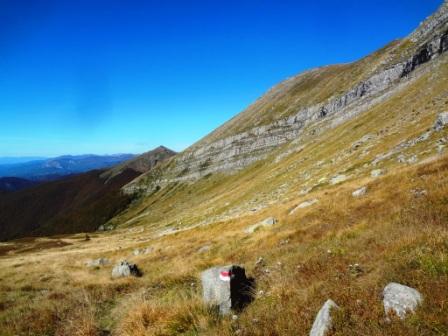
x: 391, y: 233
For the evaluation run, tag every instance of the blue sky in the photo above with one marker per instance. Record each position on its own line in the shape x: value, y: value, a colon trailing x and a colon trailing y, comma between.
x: 105, y: 76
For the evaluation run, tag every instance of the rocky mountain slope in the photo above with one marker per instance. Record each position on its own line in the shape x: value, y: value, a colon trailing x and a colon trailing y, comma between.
x: 288, y: 123
x: 313, y: 101
x: 142, y: 163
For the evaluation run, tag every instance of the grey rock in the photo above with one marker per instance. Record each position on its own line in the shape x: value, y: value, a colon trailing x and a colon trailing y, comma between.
x: 322, y: 324
x: 125, y: 269
x: 360, y: 192
x: 226, y: 287
x: 442, y: 121
x: 400, y: 299
x: 98, y: 262
x: 101, y: 228
x: 304, y: 205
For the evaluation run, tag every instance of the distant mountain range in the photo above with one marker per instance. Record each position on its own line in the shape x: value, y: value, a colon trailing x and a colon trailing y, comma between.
x: 19, y: 159
x: 77, y: 203
x: 54, y: 168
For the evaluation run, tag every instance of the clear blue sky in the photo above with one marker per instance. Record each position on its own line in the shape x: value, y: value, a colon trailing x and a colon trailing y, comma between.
x: 105, y: 76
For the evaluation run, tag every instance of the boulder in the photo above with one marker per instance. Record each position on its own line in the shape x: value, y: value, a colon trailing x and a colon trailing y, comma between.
x: 359, y: 192
x: 400, y: 299
x: 226, y: 288
x: 322, y: 323
x: 441, y: 121
x: 97, y: 262
x: 125, y: 269
x: 270, y: 221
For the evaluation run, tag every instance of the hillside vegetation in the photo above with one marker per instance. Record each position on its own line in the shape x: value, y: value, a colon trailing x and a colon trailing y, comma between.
x: 187, y: 216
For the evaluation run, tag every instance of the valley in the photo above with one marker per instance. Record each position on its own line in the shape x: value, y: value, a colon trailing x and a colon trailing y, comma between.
x: 331, y: 186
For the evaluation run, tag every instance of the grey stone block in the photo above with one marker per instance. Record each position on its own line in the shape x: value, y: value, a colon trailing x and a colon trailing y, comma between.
x: 227, y: 288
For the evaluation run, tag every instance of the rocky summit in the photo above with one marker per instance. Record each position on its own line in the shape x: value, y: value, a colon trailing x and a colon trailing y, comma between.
x: 321, y: 209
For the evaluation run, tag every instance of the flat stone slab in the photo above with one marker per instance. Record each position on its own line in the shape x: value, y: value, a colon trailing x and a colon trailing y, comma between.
x: 270, y: 221
x: 226, y: 287
x: 304, y: 205
x: 322, y: 323
x: 400, y: 299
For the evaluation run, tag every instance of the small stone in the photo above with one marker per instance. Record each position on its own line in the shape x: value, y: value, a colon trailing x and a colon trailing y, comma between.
x: 234, y: 317
x: 400, y: 299
x: 441, y: 121
x: 376, y: 172
x: 260, y: 262
x: 359, y: 192
x: 322, y: 324
x: 204, y: 249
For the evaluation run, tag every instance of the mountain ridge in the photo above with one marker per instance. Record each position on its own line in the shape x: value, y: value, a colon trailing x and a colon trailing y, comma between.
x: 344, y: 92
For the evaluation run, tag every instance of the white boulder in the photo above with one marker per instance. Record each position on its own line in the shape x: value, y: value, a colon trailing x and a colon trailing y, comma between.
x: 322, y: 323
x: 400, y: 299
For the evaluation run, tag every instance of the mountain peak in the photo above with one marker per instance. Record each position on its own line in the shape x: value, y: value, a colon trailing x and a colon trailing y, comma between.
x: 437, y: 22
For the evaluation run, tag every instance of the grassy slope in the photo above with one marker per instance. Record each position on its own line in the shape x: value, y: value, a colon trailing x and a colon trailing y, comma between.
x: 391, y: 233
